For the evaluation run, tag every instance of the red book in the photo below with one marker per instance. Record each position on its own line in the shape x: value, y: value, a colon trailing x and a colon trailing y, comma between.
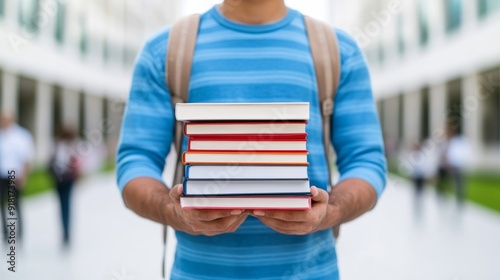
x: 245, y: 128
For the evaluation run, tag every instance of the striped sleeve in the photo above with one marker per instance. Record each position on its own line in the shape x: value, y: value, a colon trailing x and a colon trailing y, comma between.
x: 356, y: 132
x: 147, y: 127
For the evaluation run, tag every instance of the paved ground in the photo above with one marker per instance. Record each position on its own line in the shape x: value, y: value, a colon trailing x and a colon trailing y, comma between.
x: 392, y: 242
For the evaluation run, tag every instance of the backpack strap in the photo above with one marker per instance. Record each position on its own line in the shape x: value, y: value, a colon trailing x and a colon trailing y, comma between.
x: 179, y: 61
x: 326, y: 56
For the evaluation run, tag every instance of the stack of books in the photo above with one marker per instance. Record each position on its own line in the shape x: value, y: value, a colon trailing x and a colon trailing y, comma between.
x: 245, y: 155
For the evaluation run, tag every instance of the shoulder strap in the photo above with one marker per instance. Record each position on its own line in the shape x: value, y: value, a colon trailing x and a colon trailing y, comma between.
x: 179, y: 60
x: 326, y: 56
x: 178, y: 63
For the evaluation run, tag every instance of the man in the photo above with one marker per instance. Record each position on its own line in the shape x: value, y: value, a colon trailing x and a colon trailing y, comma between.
x: 16, y: 151
x: 253, y: 51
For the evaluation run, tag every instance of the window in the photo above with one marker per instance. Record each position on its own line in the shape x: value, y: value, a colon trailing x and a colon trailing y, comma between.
x: 453, y: 14
x: 487, y: 7
x: 401, y: 117
x: 84, y: 37
x: 2, y: 8
x: 82, y: 114
x: 381, y: 55
x: 490, y: 90
x: 454, y: 106
x: 106, y: 51
x: 60, y: 20
x: 106, y: 116
x: 423, y: 22
x: 401, y: 36
x: 424, y: 117
x: 130, y: 55
x: 28, y: 14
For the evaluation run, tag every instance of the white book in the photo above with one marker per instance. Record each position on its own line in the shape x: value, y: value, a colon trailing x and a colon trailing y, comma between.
x: 239, y: 128
x: 214, y: 145
x: 245, y: 187
x: 246, y: 172
x: 244, y: 203
x: 283, y: 158
x: 242, y: 111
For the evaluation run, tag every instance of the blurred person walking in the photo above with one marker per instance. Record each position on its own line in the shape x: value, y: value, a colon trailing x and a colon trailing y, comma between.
x: 65, y: 169
x: 16, y: 154
x: 454, y: 153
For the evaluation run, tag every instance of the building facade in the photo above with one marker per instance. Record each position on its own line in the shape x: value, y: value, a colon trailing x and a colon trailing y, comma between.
x: 69, y: 63
x: 432, y: 62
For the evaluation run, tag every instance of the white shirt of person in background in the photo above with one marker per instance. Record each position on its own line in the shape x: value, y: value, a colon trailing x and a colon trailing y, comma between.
x: 458, y: 152
x: 16, y: 150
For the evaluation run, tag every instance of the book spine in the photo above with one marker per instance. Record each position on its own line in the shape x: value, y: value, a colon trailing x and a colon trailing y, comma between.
x: 186, y: 171
x: 184, y: 158
x: 184, y: 185
x: 250, y: 137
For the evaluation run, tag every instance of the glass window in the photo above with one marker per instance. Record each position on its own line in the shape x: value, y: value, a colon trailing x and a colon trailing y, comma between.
x: 487, y: 7
x: 425, y: 117
x: 401, y: 37
x: 2, y: 8
x: 453, y: 14
x: 454, y: 106
x: 381, y: 55
x: 490, y: 88
x: 423, y: 22
x: 84, y: 37
x: 60, y: 20
x: 28, y: 14
x: 106, y: 51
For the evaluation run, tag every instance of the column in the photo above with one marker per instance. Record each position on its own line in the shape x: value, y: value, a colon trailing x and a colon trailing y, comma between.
x: 12, y: 14
x: 10, y: 93
x: 70, y: 109
x: 411, y: 118
x: 93, y: 119
x: 438, y: 109
x: 43, y: 122
x: 469, y: 14
x: 471, y: 114
x: 390, y: 117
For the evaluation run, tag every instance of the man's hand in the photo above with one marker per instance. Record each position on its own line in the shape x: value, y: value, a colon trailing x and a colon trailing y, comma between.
x: 201, y: 222
x: 348, y: 200
x: 301, y: 222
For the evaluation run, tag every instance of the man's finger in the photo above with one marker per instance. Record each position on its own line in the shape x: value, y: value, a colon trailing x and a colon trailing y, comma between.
x: 176, y: 193
x: 288, y: 215
x: 211, y: 215
x: 319, y: 195
x: 286, y: 227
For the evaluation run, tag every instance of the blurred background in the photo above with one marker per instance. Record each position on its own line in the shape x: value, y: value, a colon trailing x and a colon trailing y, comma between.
x: 435, y: 69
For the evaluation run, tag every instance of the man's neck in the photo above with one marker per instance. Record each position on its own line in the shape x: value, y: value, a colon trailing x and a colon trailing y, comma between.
x: 254, y: 11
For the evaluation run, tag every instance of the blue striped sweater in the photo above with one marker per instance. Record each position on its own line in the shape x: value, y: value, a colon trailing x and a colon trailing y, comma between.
x: 235, y: 62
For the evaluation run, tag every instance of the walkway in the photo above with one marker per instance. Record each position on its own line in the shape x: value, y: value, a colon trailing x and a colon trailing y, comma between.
x: 391, y: 242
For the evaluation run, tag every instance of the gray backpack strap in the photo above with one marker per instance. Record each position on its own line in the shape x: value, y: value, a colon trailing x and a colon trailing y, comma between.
x: 326, y: 56
x: 179, y: 60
